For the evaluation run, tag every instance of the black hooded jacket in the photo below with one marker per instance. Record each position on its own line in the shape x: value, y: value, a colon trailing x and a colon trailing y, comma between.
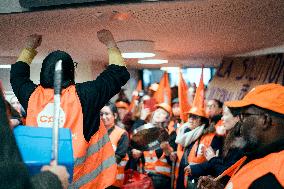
x: 93, y: 95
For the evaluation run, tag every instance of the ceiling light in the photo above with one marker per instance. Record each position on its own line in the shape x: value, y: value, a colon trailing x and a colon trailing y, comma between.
x: 160, y: 58
x: 153, y: 61
x: 5, y: 66
x: 136, y: 48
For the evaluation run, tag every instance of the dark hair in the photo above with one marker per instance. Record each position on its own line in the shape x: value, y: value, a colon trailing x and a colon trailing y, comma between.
x: 219, y: 103
x: 48, y: 66
x: 113, y: 109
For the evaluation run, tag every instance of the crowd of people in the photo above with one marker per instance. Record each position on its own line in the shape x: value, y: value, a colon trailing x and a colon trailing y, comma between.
x: 235, y: 144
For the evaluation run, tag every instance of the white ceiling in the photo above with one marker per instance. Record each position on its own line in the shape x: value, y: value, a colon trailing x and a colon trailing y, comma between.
x: 189, y: 33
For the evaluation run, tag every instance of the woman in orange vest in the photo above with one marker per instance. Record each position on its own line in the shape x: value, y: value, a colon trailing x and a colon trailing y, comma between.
x: 95, y: 165
x: 232, y: 150
x: 157, y: 162
x: 196, y: 142
x: 119, y: 139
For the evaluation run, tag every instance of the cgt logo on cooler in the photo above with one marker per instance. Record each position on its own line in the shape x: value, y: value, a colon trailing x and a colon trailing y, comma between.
x: 45, y: 117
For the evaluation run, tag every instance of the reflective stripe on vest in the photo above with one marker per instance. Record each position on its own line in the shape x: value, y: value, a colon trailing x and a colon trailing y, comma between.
x: 204, y: 143
x: 123, y: 163
x: 98, y: 168
x: 120, y: 176
x: 94, y: 174
x: 94, y: 148
x: 155, y: 165
x: 180, y: 151
x: 95, y: 165
x: 115, y: 136
x: 272, y: 163
x: 162, y: 169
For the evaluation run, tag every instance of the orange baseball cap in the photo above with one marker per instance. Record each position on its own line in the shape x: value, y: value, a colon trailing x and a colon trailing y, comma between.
x: 197, y: 111
x: 269, y: 96
x: 165, y: 106
x: 121, y: 104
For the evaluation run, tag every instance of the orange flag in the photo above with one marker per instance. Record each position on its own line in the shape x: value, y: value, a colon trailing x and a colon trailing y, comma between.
x: 163, y: 94
x: 138, y: 88
x: 183, y: 98
x: 198, y: 102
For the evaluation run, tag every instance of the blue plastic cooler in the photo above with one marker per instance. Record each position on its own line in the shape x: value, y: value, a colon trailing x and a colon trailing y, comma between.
x: 35, y: 144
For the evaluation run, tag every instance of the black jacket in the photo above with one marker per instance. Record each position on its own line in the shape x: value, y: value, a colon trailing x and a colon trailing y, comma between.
x: 217, y: 165
x: 93, y: 95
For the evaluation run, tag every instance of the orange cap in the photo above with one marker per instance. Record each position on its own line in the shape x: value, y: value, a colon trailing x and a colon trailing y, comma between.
x: 197, y: 111
x: 269, y: 96
x: 165, y: 106
x: 121, y: 104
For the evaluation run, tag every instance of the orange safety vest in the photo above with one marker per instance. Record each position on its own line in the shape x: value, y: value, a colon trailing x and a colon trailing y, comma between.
x: 114, y: 138
x: 196, y: 154
x: 155, y: 165
x: 272, y: 163
x: 94, y: 165
x: 180, y: 151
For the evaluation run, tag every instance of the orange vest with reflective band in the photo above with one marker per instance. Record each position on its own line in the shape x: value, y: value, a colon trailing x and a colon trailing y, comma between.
x: 272, y: 163
x: 94, y: 165
x: 155, y: 165
x: 196, y: 154
x: 114, y: 138
x: 180, y: 151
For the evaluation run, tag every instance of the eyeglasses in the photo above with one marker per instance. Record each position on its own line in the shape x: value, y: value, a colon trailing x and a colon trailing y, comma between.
x: 211, y: 106
x: 75, y: 64
x: 243, y: 115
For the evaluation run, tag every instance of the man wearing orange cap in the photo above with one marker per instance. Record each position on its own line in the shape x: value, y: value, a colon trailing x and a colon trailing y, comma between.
x: 262, y: 126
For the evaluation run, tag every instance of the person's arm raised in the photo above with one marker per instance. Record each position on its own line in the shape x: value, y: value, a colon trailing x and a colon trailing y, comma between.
x: 20, y: 80
x: 106, y: 37
x: 29, y: 52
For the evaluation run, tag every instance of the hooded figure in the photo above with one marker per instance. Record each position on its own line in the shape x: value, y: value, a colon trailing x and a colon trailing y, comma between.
x: 48, y: 67
x: 80, y: 106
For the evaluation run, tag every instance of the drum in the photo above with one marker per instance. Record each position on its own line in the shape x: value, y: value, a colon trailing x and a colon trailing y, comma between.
x: 148, y: 137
